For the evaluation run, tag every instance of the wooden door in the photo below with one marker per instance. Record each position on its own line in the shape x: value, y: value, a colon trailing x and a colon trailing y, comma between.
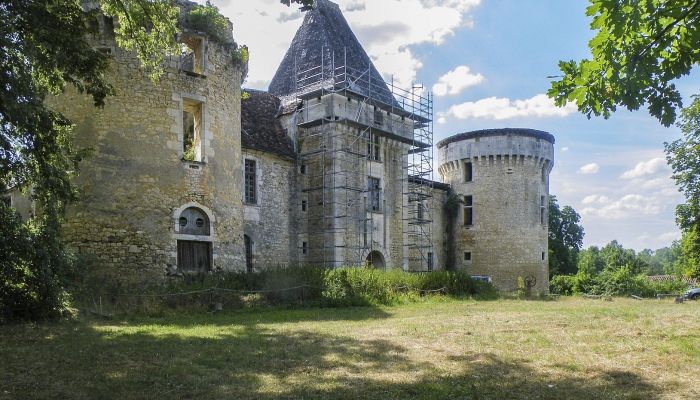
x: 193, y: 256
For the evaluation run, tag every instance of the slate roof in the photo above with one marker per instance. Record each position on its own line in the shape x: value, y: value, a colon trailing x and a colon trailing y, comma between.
x: 497, y: 132
x: 324, y: 27
x: 261, y: 128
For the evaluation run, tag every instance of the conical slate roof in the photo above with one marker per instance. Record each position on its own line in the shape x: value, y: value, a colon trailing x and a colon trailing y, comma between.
x: 324, y: 36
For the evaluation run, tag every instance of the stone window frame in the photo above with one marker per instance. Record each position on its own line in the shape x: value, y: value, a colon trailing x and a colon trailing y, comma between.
x: 203, y: 48
x: 468, y: 209
x: 374, y: 192
x: 543, y: 211
x: 258, y: 177
x: 374, y: 146
x: 179, y: 129
x: 468, y: 173
x: 468, y: 257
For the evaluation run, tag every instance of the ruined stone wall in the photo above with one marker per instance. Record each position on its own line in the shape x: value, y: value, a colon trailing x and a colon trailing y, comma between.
x: 135, y: 182
x: 508, y: 238
x: 271, y: 222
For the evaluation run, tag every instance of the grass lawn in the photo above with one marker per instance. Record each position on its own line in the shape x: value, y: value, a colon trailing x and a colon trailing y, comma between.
x: 567, y: 349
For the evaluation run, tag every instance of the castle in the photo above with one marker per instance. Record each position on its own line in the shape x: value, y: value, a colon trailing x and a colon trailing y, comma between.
x: 331, y: 167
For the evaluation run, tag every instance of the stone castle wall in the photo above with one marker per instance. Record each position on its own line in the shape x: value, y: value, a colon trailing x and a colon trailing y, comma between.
x: 271, y: 222
x: 135, y: 182
x: 509, y: 188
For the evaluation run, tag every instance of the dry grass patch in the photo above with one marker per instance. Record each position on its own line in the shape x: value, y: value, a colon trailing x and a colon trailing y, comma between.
x: 571, y: 348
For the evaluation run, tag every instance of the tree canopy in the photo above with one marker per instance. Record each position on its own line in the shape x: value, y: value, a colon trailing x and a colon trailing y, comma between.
x: 45, y: 47
x: 565, y: 238
x: 640, y: 48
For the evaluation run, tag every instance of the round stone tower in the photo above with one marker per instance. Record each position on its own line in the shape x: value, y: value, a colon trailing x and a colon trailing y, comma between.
x: 501, y: 177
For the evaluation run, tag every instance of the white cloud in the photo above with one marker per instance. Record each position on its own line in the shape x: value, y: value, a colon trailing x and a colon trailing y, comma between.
x: 627, y: 205
x: 387, y: 29
x: 646, y: 168
x: 564, y: 149
x: 595, y: 199
x: 669, y: 236
x: 456, y: 80
x: 500, y: 108
x: 589, y: 169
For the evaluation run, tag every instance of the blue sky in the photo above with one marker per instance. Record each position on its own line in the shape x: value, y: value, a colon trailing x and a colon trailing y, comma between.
x: 487, y: 63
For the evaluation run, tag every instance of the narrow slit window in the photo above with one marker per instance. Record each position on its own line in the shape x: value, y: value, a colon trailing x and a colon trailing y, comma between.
x: 304, y: 247
x: 303, y: 205
x: 543, y: 210
x: 468, y: 211
x: 251, y: 193
x: 468, y: 172
x: 375, y: 194
x: 430, y: 261
x: 192, y: 130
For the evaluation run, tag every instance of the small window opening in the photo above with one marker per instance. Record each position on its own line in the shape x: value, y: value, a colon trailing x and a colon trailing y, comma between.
x: 375, y: 194
x: 192, y: 130
x: 419, y: 210
x: 543, y: 254
x: 467, y: 256
x: 192, y: 54
x: 468, y: 172
x: 543, y: 210
x: 430, y: 261
x: 378, y: 116
x: 250, y: 182
x: 468, y: 210
x: 199, y: 222
x: 183, y: 221
x: 302, y: 168
x: 248, y: 253
x: 303, y: 205
x: 374, y: 147
x: 544, y: 173
x: 304, y: 247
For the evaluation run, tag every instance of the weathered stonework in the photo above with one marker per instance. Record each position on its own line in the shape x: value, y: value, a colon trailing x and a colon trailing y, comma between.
x: 316, y: 157
x: 135, y: 181
x: 509, y: 187
x: 269, y: 223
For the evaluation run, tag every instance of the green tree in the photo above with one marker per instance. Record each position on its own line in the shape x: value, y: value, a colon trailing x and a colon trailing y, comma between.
x: 565, y: 238
x: 45, y: 46
x: 683, y: 155
x: 590, y: 262
x: 640, y: 48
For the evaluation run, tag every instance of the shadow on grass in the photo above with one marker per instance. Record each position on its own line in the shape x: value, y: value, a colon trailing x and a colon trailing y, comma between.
x: 237, y: 357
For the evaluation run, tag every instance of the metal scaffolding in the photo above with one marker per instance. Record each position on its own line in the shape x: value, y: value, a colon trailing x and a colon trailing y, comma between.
x: 338, y: 140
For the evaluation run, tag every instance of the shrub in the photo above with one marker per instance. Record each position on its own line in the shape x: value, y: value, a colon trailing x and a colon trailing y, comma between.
x: 33, y: 266
x: 207, y: 18
x: 617, y: 282
x: 290, y: 286
x: 562, y: 284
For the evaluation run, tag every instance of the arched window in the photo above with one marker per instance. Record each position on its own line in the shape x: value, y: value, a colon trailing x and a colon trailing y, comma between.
x: 248, y: 253
x: 194, y: 221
